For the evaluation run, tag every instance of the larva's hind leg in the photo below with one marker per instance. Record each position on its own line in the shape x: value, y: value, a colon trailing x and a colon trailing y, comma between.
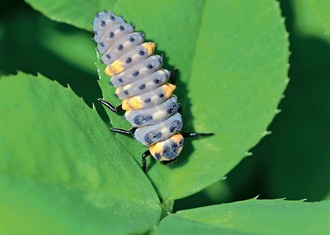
x: 174, y: 75
x: 124, y: 132
x: 110, y: 106
x: 131, y: 132
x: 144, y: 156
x: 194, y: 134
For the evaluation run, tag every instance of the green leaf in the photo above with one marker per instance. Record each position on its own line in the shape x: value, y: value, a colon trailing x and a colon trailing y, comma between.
x: 321, y: 11
x: 79, y: 13
x: 233, y: 63
x: 62, y: 167
x: 233, y: 70
x: 251, y: 217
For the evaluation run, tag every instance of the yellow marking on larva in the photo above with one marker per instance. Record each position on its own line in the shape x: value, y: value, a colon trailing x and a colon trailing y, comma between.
x: 150, y: 47
x: 117, y: 91
x: 132, y: 103
x: 124, y: 105
x: 117, y: 67
x: 156, y: 148
x: 168, y: 89
x: 108, y: 71
x: 177, y: 138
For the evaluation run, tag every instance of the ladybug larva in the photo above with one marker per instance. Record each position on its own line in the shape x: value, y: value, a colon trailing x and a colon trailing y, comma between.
x: 142, y: 84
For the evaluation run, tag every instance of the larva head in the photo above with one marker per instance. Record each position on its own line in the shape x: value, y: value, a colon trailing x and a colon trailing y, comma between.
x: 169, y: 149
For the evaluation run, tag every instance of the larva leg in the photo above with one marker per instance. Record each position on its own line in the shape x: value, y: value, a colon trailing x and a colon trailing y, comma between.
x: 144, y: 156
x: 110, y: 106
x: 124, y: 132
x: 194, y: 134
x: 174, y: 75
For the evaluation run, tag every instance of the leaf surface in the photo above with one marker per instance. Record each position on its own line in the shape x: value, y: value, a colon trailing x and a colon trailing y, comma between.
x: 62, y: 169
x: 251, y: 217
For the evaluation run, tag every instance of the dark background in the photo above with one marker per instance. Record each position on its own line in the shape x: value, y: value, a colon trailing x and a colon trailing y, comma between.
x: 293, y: 162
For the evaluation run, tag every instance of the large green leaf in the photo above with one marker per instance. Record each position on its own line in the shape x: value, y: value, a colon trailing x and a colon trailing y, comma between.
x: 233, y: 62
x: 251, y: 217
x: 62, y: 170
x: 233, y: 70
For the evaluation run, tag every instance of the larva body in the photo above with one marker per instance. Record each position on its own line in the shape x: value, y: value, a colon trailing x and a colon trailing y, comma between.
x: 142, y: 85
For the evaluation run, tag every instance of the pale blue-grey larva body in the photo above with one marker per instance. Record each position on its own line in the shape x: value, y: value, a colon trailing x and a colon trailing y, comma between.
x: 142, y: 85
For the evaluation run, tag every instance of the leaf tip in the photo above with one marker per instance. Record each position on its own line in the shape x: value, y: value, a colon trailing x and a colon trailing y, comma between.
x: 265, y: 133
x: 247, y: 154
x: 277, y: 111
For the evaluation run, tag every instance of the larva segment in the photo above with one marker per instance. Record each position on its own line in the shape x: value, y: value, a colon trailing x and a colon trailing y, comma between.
x: 138, y: 71
x: 131, y: 58
x: 112, y: 35
x: 128, y: 42
x: 148, y: 135
x: 153, y: 115
x: 143, y: 85
x: 103, y: 22
x: 169, y: 149
x: 149, y: 99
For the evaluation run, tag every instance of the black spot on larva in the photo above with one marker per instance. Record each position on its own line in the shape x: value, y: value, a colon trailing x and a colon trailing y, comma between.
x: 131, y: 39
x: 136, y: 73
x: 181, y: 143
x: 108, y: 56
x: 156, y: 81
x: 120, y: 47
x: 112, y: 17
x: 142, y: 53
x: 138, y: 120
x: 142, y: 86
x: 102, y: 23
x: 116, y: 95
x: 101, y: 44
x: 147, y: 100
x: 142, y: 119
x: 174, y: 147
x: 129, y: 60
x: 120, y: 80
x: 176, y: 126
x: 170, y: 152
x: 122, y: 28
x: 97, y: 15
x: 110, y: 83
x: 95, y: 32
x: 102, y: 61
x: 167, y: 151
x: 161, y: 95
x: 111, y: 35
x: 152, y: 137
x: 150, y: 66
x: 126, y: 92
x: 158, y: 156
x: 172, y: 108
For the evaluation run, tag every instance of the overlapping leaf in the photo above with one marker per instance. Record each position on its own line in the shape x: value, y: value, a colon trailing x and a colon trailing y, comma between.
x: 56, y: 171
